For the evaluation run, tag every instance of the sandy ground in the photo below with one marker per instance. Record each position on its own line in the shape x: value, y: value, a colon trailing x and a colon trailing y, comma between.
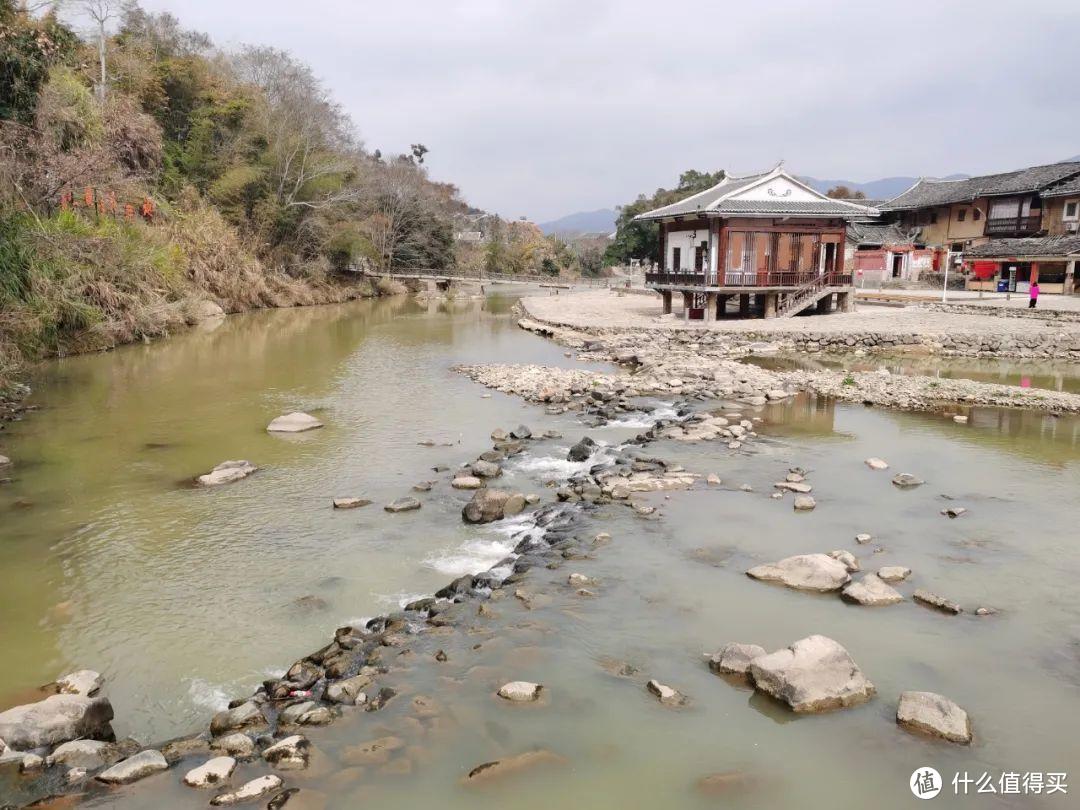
x: 1018, y: 300
x: 609, y: 309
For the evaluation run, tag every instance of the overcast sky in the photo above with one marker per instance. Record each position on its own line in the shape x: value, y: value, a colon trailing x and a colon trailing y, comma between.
x: 545, y: 108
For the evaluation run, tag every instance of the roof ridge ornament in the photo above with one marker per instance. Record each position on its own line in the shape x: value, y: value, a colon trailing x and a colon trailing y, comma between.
x: 772, y: 192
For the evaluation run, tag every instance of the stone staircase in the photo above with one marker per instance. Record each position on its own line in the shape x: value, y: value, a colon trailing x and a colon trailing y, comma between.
x: 807, y: 295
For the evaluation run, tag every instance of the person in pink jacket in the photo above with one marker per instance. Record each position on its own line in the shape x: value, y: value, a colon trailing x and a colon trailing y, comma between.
x: 1033, y: 292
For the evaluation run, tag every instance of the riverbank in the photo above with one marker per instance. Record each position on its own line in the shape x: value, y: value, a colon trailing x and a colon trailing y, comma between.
x: 960, y: 332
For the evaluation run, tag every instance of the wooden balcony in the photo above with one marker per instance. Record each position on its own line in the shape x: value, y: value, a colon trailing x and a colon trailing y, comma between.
x: 1013, y: 226
x: 742, y: 279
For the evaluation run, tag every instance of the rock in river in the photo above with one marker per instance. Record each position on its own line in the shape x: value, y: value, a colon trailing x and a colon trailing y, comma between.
x: 667, y: 695
x: 492, y: 771
x: 815, y: 674
x: 57, y: 719
x: 467, y: 482
x: 847, y: 558
x: 134, y: 768
x: 907, y: 481
x: 246, y: 715
x: 260, y: 786
x: 938, y: 602
x: 235, y: 745
x: 406, y: 504
x: 485, y: 469
x: 492, y: 504
x: 226, y: 472
x: 210, y: 773
x: 872, y: 591
x: 805, y: 572
x: 295, y: 422
x: 933, y: 714
x: 582, y: 450
x: 876, y: 464
x: 520, y: 691
x: 734, y: 658
x: 290, y: 754
x: 350, y: 503
x: 894, y: 573
x: 82, y: 682
x: 87, y: 754
x: 804, y: 503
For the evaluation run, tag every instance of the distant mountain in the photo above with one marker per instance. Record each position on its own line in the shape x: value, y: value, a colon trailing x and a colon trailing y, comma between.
x: 884, y: 189
x: 600, y: 221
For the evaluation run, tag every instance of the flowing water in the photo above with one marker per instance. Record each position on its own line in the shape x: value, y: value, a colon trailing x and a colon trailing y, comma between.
x: 185, y: 598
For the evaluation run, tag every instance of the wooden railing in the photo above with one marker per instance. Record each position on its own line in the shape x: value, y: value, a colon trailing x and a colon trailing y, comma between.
x: 740, y: 278
x: 1013, y: 226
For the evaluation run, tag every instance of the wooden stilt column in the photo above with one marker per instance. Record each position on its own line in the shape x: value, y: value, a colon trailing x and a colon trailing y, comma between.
x: 770, y: 305
x: 1070, y: 278
x: 687, y: 300
x: 711, y: 305
x: 665, y: 296
x: 744, y: 304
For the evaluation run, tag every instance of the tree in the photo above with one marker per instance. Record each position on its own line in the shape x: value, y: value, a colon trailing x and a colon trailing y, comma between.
x: 641, y: 240
x: 843, y: 192
x: 102, y: 12
x: 418, y: 152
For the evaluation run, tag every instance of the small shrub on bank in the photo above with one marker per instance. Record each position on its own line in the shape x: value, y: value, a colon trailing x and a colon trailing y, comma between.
x: 390, y: 286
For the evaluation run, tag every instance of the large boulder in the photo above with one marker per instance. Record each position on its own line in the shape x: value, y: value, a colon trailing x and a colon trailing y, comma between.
x: 933, y: 714
x: 132, y: 769
x: 489, y: 504
x: 295, y: 422
x: 57, y: 719
x: 582, y: 450
x: 805, y: 572
x: 815, y: 674
x: 226, y: 472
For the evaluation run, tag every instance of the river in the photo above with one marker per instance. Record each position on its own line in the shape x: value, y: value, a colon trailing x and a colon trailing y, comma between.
x: 185, y: 598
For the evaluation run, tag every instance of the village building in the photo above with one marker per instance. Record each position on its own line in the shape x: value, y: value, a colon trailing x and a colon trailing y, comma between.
x: 767, y: 241
x: 1001, y: 230
x: 879, y: 253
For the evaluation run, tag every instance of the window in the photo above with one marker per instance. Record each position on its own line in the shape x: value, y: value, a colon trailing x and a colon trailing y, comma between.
x: 1072, y: 210
x: 933, y: 217
x: 976, y: 214
x: 676, y: 259
x: 961, y: 214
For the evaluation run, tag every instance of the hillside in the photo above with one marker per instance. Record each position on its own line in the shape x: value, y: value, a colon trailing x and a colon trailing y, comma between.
x: 600, y: 221
x: 190, y: 180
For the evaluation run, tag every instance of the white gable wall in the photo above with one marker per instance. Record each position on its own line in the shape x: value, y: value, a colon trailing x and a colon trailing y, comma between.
x: 779, y: 188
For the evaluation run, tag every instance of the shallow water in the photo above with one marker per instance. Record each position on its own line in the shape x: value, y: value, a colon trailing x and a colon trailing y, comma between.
x: 182, y: 598
x: 1033, y: 373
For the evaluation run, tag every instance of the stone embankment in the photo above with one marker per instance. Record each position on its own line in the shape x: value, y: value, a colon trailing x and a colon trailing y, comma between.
x: 951, y: 331
x: 704, y: 365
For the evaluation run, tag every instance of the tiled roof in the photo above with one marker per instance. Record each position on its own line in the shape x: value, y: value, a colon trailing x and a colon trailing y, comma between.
x: 1038, y: 246
x: 932, y: 193
x: 1068, y: 188
x: 872, y: 233
x: 829, y: 208
x: 697, y: 203
x: 716, y: 201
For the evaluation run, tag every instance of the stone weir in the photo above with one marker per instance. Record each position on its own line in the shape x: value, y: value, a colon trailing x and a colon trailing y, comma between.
x: 64, y: 744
